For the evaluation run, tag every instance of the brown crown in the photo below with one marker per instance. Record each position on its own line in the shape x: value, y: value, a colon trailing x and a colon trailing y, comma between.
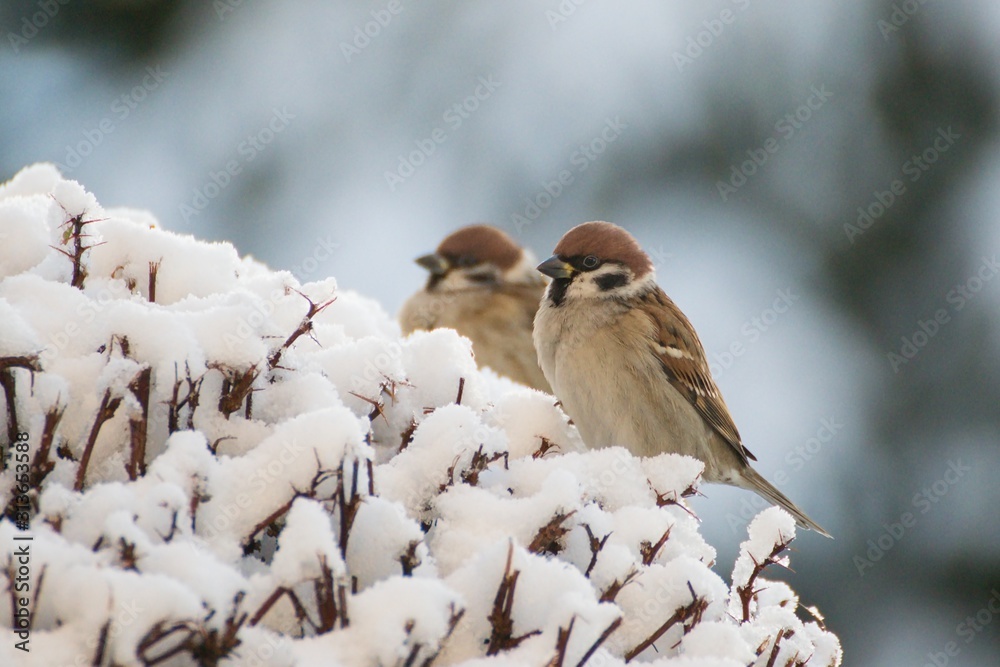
x: 608, y: 242
x: 484, y: 243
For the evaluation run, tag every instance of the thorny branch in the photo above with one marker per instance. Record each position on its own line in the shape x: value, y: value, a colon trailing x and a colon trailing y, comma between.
x: 747, y: 592
x: 409, y: 561
x: 138, y: 425
x: 106, y: 410
x: 611, y: 592
x: 7, y: 379
x: 649, y: 550
x: 600, y: 640
x: 190, y: 399
x: 305, y: 327
x: 691, y: 612
x: 154, y: 269
x: 671, y: 498
x: 349, y: 503
x: 236, y: 387
x: 319, y: 477
x: 206, y: 646
x: 546, y: 540
x: 544, y: 448
x: 502, y: 635
x: 562, y: 641
x: 41, y: 465
x: 74, y: 232
x: 595, y: 547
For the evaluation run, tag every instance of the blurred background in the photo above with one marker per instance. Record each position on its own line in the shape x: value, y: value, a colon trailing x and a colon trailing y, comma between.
x: 818, y: 187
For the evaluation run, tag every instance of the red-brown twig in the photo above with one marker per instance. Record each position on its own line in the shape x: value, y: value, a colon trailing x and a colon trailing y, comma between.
x: 747, y: 592
x: 154, y: 269
x: 546, y: 540
x: 305, y: 327
x: 600, y: 640
x: 649, y: 550
x: 105, y: 411
x: 595, y: 547
x: 41, y: 466
x: 544, y: 448
x: 611, y: 592
x: 205, y: 645
x: 502, y: 634
x: 7, y: 379
x: 137, y: 425
x: 74, y: 233
x: 236, y: 387
x: 562, y: 641
x: 692, y: 612
x: 190, y: 400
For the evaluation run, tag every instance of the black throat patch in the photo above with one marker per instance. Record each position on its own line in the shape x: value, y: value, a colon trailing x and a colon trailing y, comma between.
x: 557, y: 291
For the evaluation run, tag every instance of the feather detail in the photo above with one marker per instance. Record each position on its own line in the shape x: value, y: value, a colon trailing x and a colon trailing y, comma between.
x: 682, y: 358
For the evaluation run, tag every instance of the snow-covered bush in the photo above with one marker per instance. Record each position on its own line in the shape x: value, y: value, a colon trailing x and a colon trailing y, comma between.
x: 209, y: 463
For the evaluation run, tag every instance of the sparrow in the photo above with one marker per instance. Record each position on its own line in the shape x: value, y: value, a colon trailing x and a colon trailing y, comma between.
x: 484, y: 286
x: 628, y: 366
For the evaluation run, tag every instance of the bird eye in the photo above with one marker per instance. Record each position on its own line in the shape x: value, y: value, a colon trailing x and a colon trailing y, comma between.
x: 466, y: 261
x: 591, y: 262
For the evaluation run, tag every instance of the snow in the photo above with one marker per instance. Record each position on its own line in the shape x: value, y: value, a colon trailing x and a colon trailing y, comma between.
x: 311, y: 489
x: 306, y: 546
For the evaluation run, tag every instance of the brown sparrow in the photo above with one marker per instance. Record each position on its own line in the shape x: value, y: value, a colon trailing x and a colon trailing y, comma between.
x: 485, y: 287
x: 628, y: 366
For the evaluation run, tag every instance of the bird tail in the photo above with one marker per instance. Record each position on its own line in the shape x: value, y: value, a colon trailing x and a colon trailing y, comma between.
x: 754, y: 482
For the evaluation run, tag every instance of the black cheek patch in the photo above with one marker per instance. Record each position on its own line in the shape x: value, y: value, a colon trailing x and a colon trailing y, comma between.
x: 611, y: 281
x: 433, y: 281
x: 482, y: 278
x: 557, y: 290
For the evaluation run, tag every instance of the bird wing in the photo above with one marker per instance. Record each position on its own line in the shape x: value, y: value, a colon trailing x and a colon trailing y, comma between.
x: 682, y: 358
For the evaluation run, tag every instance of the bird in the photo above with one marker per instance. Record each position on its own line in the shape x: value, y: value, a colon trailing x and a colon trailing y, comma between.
x: 627, y: 364
x: 483, y: 285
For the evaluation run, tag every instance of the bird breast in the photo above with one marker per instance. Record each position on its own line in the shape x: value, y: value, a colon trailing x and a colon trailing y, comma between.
x: 600, y: 363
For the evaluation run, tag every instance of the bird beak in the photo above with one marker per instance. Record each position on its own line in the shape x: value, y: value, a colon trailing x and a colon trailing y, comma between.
x: 436, y: 264
x: 554, y: 267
